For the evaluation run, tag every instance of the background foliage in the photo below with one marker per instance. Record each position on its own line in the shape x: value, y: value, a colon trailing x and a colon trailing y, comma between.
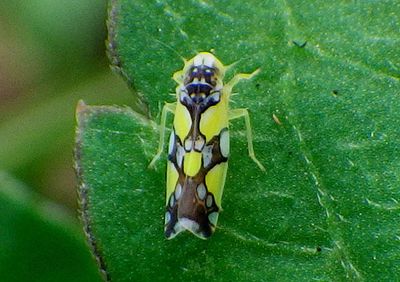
x: 52, y: 53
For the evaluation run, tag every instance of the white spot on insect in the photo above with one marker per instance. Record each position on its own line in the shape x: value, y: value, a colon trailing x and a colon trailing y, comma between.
x: 183, y: 95
x: 178, y: 191
x: 189, y: 224
x: 204, y: 59
x: 201, y: 191
x: 179, y: 155
x: 167, y: 217
x: 213, y: 217
x: 199, y: 143
x: 171, y: 200
x: 188, y: 144
x: 215, y: 97
x: 198, y: 60
x: 209, y: 201
x: 178, y: 228
x: 207, y: 155
x: 224, y: 143
x: 208, y: 60
x: 171, y: 142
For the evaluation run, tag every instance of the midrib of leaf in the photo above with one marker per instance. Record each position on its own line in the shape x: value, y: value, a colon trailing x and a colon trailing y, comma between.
x: 284, y: 247
x: 333, y: 218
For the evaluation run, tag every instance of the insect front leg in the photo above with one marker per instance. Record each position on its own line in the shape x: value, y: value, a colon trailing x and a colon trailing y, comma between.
x: 168, y: 107
x: 238, y: 113
x: 238, y: 77
x: 178, y: 77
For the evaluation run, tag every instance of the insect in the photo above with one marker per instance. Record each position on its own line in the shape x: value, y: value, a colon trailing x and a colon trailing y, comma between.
x: 199, y: 145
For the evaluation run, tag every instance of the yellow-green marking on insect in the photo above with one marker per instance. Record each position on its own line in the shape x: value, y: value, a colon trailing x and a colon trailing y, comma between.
x: 199, y: 145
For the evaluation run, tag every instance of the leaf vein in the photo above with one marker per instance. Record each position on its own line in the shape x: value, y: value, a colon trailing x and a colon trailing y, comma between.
x: 280, y: 245
x: 323, y: 197
x: 325, y: 200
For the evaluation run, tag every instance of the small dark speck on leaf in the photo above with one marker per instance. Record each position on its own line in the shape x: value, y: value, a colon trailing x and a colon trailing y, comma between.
x: 258, y: 85
x: 319, y: 249
x: 300, y: 45
x: 335, y: 92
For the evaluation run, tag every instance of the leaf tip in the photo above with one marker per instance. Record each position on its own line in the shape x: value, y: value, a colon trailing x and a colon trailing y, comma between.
x: 81, y: 106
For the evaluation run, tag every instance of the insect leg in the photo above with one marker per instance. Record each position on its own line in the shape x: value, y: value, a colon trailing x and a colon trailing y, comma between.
x: 178, y: 77
x: 238, y: 77
x: 168, y: 107
x: 238, y: 113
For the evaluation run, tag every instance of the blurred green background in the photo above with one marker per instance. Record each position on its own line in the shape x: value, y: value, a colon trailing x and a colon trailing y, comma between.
x: 52, y: 53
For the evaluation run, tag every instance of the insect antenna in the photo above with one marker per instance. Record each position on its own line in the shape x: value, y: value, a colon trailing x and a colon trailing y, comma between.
x: 171, y: 49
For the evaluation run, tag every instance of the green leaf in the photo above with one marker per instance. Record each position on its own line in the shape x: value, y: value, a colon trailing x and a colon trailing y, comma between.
x: 325, y: 112
x: 38, y: 241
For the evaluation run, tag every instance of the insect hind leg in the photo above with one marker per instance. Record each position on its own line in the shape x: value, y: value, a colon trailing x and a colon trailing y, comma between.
x: 238, y: 77
x: 239, y: 113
